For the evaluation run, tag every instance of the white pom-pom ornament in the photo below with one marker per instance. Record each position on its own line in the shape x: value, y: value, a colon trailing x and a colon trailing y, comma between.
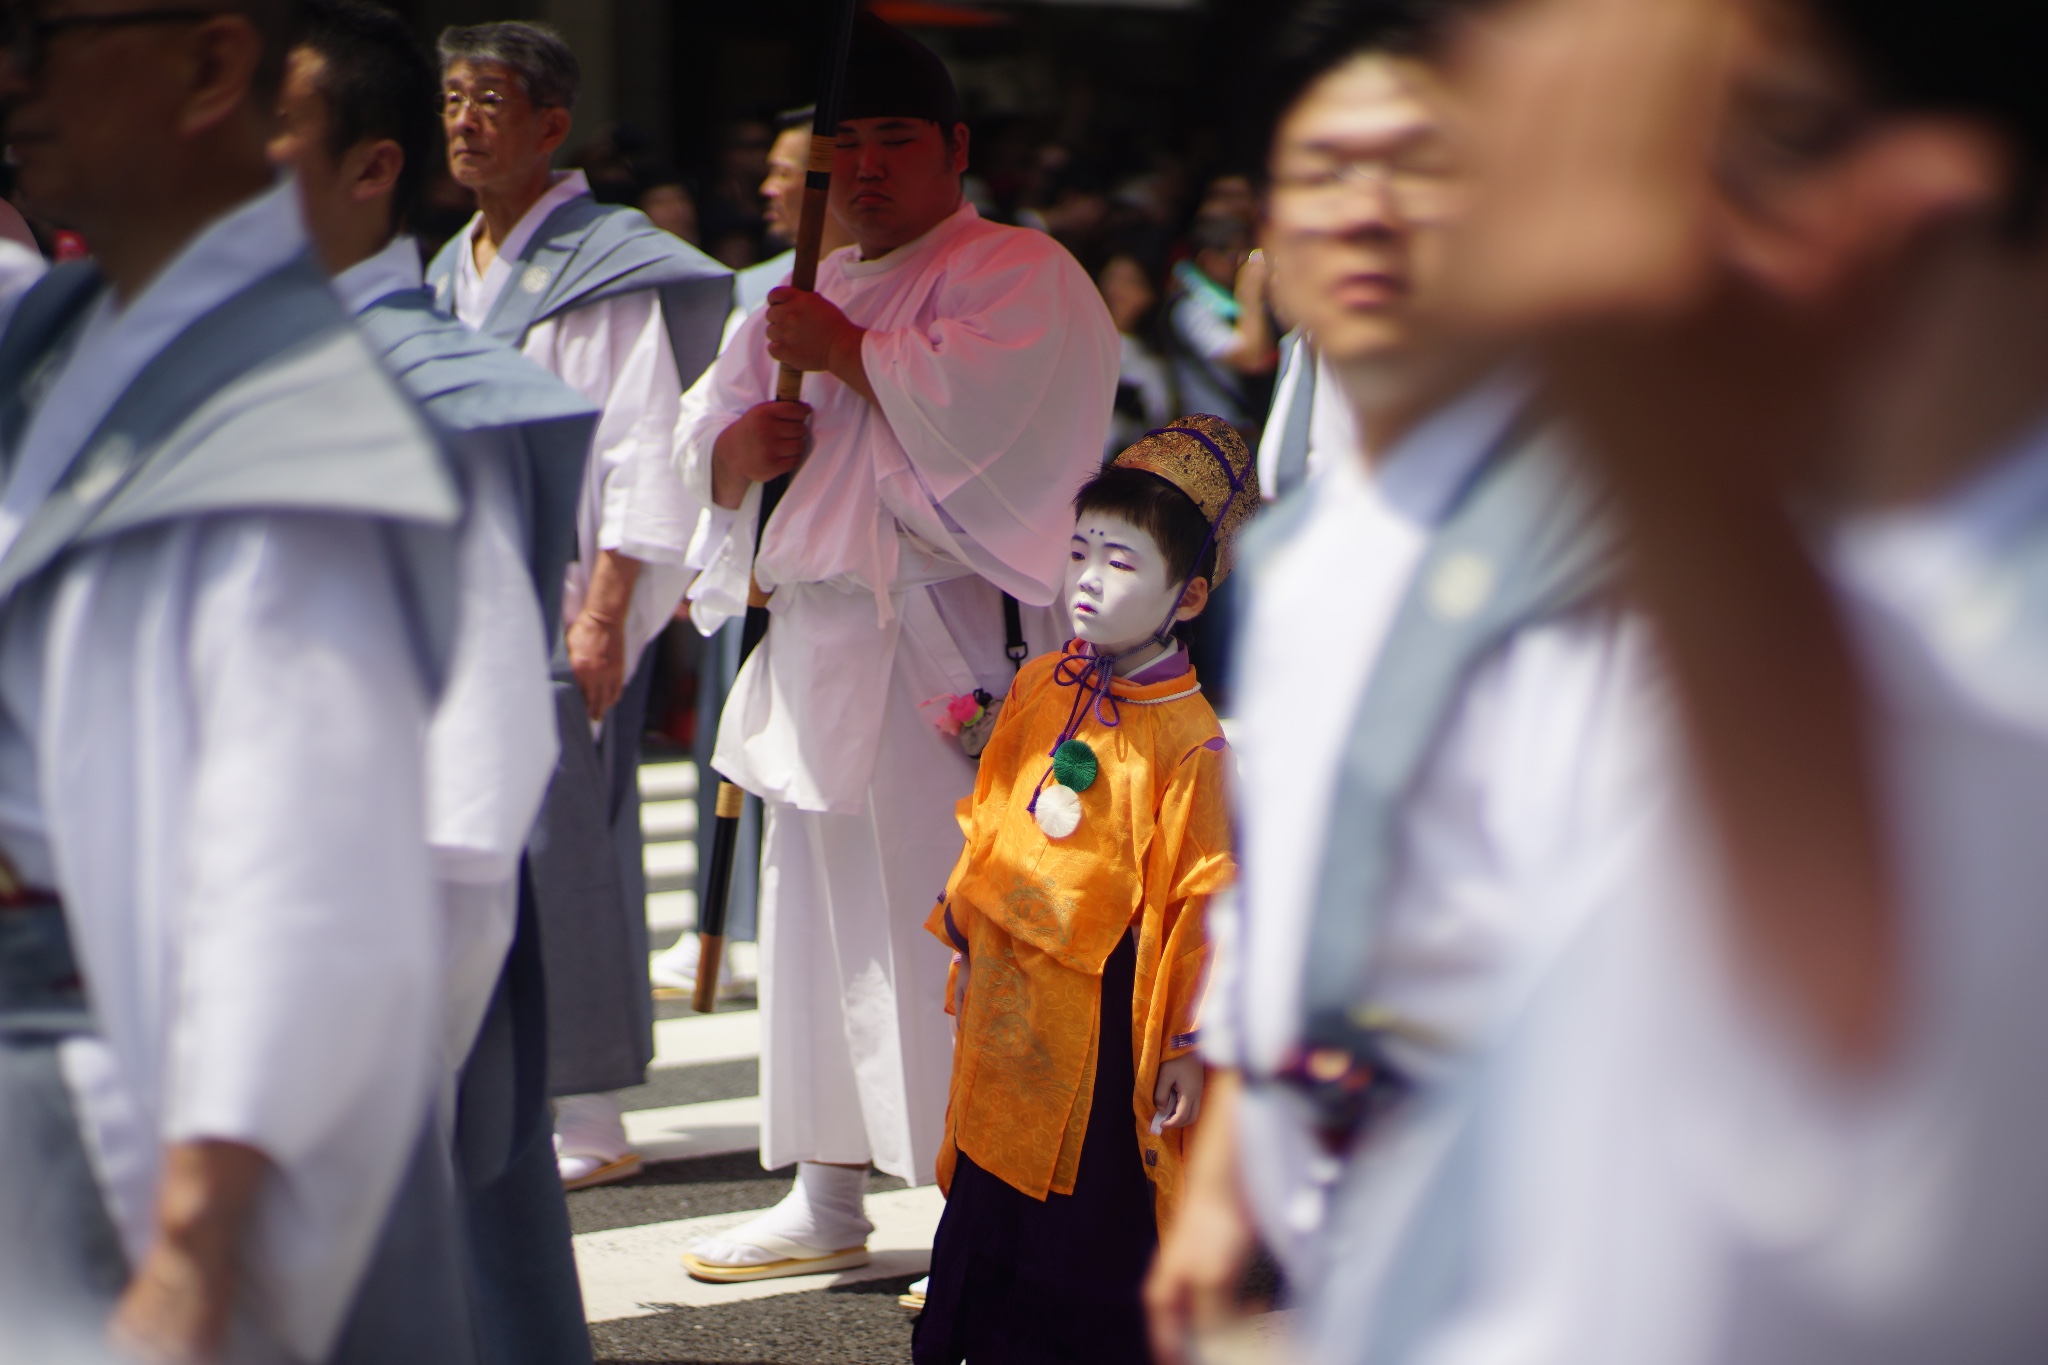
x: 1058, y: 811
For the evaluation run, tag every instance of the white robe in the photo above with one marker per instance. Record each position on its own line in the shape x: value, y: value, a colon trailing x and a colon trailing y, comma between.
x: 1517, y: 793
x: 994, y: 364
x: 492, y: 744
x: 213, y: 747
x: 616, y: 353
x: 1677, y: 1177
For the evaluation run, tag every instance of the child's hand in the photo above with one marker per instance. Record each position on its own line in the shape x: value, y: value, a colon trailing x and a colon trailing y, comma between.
x: 961, y: 967
x: 1177, y: 1095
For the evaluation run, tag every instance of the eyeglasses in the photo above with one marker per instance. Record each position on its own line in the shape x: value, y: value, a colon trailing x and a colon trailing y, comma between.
x: 489, y: 104
x: 27, y: 39
x: 1325, y: 196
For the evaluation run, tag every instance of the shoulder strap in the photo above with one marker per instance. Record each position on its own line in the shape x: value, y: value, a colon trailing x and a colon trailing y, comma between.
x: 537, y: 271
x: 42, y: 317
x: 469, y: 382
x: 586, y: 252
x: 1526, y: 542
x: 1013, y: 633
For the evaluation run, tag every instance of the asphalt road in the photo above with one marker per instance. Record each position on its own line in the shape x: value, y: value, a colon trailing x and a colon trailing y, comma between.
x: 860, y: 1324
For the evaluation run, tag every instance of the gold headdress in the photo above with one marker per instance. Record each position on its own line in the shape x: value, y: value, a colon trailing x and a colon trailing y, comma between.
x: 1206, y: 459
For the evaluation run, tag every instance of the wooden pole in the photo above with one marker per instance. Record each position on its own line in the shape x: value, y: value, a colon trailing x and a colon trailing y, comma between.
x: 789, y: 387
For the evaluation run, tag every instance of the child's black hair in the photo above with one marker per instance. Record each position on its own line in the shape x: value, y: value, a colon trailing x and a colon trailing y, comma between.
x: 1156, y: 507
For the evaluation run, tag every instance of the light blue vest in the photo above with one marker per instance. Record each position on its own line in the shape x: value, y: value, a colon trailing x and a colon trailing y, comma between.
x: 468, y: 382
x: 587, y: 252
x: 1522, y: 543
x: 129, y: 474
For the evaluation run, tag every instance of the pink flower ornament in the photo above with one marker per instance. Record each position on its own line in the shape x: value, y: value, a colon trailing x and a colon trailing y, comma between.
x: 954, y: 712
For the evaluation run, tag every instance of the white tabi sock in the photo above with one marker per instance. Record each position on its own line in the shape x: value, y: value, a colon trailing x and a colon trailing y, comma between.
x: 590, y: 1126
x: 676, y: 967
x: 820, y: 1216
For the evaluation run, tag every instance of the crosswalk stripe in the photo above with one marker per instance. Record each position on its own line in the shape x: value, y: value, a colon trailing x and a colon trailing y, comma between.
x: 707, y: 1038
x: 681, y: 1130
x: 632, y: 1272
x: 669, y: 820
x: 668, y: 781
x: 675, y: 862
x: 671, y: 910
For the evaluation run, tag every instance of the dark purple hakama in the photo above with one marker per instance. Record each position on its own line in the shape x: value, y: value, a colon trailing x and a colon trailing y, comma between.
x: 1019, y: 1281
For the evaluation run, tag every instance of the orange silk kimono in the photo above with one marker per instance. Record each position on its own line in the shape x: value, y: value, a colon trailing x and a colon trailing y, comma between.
x: 1040, y: 916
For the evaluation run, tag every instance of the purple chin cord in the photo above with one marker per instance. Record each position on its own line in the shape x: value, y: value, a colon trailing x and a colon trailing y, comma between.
x: 1091, y: 676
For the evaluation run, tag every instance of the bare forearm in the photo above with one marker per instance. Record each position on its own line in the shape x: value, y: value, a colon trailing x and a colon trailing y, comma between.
x: 178, y: 1305
x: 1202, y: 1255
x: 848, y: 366
x: 1253, y: 349
x: 611, y: 587
x: 1773, y: 701
x: 209, y: 1190
x: 1212, y: 1158
x: 728, y: 486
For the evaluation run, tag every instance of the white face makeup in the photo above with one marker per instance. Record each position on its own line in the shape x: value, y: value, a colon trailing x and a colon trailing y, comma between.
x: 1118, y: 591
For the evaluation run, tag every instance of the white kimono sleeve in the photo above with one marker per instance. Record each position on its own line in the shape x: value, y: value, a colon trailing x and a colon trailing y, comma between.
x: 616, y: 353
x: 492, y: 743
x: 233, y: 749
x: 1001, y: 404
x: 308, y: 977
x: 722, y: 548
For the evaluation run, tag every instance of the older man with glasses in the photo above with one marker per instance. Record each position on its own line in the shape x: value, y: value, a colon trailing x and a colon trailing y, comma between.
x: 224, y: 538
x: 628, y: 316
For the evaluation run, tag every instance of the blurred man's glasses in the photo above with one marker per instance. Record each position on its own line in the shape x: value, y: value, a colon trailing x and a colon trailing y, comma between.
x: 27, y: 38
x: 1328, y: 195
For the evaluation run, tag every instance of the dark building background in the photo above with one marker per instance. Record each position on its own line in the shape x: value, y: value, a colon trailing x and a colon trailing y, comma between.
x: 1070, y: 103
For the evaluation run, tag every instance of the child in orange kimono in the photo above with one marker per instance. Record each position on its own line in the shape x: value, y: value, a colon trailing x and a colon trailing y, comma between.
x: 1096, y: 832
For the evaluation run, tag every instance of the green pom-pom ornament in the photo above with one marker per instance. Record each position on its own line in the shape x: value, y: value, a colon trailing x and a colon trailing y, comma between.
x: 1074, y: 765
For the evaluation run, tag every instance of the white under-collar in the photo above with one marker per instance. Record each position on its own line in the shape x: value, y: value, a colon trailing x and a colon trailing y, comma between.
x: 1915, y: 557
x: 1420, y: 475
x: 391, y: 271
x: 231, y: 253
x: 854, y: 268
x: 476, y: 291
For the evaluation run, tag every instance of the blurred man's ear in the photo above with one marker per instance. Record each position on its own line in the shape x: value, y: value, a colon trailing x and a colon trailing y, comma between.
x: 375, y: 169
x: 554, y: 127
x: 221, y: 57
x: 1867, y: 207
x: 956, y: 149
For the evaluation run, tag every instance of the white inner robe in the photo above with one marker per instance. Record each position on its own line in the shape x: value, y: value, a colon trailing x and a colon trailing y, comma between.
x: 616, y: 353
x: 994, y: 364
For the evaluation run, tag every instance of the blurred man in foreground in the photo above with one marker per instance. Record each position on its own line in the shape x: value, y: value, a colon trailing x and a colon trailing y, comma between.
x: 358, y: 116
x: 1785, y: 268
x: 224, y: 543
x: 1426, y: 810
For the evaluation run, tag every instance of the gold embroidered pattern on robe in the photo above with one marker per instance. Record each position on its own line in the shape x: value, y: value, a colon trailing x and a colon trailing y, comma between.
x: 1041, y: 916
